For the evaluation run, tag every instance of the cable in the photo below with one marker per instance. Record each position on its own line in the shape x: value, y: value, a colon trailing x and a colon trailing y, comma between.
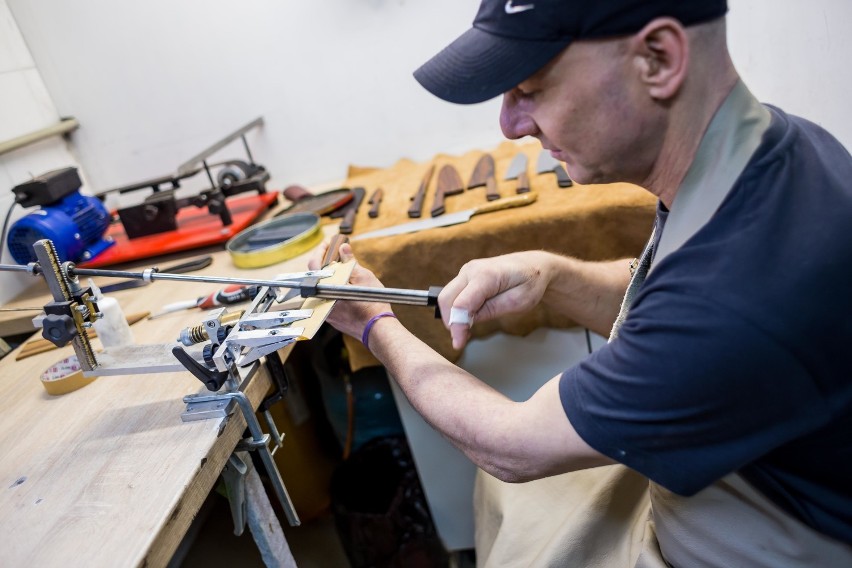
x: 6, y: 226
x: 589, y: 341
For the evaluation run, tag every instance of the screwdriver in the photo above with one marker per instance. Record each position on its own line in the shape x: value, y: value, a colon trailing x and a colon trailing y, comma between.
x: 233, y: 294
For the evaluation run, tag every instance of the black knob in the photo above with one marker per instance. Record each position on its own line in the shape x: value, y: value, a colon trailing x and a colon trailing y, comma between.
x: 59, y: 329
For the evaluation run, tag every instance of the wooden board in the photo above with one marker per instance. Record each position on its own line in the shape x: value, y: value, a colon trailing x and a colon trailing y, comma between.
x: 109, y: 475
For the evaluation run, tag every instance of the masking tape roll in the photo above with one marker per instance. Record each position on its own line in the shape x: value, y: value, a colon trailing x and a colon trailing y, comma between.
x: 64, y: 376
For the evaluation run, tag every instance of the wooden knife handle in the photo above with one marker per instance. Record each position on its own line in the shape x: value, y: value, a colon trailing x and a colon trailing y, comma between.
x: 506, y: 203
x: 562, y: 177
x: 332, y: 254
x: 375, y: 201
x: 491, y: 191
x: 438, y: 203
x: 523, y: 183
x: 417, y: 199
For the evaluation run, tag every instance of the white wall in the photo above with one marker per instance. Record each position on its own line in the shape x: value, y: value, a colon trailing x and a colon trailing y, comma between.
x: 25, y: 106
x: 154, y: 82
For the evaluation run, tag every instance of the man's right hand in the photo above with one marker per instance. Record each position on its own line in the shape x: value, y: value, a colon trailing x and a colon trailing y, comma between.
x: 492, y: 287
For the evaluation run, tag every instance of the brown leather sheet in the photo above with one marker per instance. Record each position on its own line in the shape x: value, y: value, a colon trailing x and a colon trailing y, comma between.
x: 593, y: 222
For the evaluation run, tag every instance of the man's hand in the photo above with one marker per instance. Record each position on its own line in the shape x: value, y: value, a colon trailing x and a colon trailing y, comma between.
x: 348, y: 316
x: 493, y: 287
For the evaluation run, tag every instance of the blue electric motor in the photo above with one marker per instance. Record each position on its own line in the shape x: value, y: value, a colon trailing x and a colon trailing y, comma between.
x: 75, y: 223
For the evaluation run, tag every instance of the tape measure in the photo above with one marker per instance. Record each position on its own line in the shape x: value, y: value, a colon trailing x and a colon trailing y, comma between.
x: 64, y: 376
x: 275, y: 240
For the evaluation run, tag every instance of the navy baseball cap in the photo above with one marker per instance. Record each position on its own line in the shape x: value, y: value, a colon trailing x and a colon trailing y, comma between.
x: 512, y: 39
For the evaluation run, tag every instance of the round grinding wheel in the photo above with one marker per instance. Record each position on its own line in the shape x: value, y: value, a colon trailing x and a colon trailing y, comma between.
x: 275, y: 240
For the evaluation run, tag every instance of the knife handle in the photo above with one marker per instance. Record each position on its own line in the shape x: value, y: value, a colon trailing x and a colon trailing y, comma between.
x: 523, y: 183
x: 562, y: 177
x: 491, y: 191
x: 438, y: 204
x: 375, y: 201
x: 332, y: 254
x: 506, y: 203
x: 417, y: 199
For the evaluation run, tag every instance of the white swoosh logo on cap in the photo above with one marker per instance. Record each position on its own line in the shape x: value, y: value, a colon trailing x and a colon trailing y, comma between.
x: 513, y: 9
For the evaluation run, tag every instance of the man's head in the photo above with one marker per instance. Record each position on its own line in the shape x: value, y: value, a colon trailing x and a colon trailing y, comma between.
x: 512, y: 39
x: 616, y: 89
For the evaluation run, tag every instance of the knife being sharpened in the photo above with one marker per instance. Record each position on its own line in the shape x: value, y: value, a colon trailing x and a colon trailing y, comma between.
x: 518, y: 170
x: 450, y: 218
x: 547, y: 163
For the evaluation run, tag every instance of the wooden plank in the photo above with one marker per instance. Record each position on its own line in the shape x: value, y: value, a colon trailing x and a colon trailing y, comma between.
x: 109, y: 475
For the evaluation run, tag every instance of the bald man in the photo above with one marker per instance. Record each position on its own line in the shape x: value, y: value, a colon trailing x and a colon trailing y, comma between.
x: 725, y: 387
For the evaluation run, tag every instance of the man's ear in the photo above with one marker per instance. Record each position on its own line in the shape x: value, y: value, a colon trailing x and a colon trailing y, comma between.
x: 661, y: 54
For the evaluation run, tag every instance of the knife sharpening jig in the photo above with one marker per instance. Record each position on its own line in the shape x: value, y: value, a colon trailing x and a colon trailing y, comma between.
x: 223, y: 351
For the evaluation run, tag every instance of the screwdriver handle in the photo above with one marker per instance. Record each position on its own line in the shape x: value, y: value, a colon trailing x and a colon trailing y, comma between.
x: 233, y: 294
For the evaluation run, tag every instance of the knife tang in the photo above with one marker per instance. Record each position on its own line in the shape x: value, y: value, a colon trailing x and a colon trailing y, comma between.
x: 417, y: 199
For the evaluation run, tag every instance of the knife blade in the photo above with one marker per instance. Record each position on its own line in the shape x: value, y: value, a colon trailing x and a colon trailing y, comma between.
x: 449, y: 183
x: 518, y: 170
x: 547, y: 163
x: 182, y: 268
x: 450, y: 218
x: 417, y: 199
x: 483, y: 174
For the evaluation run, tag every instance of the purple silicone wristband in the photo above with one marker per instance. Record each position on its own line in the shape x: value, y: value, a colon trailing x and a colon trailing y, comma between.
x: 365, y: 337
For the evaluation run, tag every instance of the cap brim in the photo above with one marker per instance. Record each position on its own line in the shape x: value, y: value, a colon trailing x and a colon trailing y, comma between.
x: 479, y: 66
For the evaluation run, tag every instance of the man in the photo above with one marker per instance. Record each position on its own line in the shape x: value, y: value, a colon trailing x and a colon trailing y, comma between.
x: 726, y: 380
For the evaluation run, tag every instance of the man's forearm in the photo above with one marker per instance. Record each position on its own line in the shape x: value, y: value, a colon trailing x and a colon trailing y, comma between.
x: 590, y: 293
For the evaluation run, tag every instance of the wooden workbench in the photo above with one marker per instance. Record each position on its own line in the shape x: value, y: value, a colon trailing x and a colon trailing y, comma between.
x: 109, y: 475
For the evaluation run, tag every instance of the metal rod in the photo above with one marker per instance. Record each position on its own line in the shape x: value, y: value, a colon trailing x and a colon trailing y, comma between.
x: 62, y: 127
x: 191, y: 163
x: 14, y: 267
x: 289, y: 280
x: 324, y: 291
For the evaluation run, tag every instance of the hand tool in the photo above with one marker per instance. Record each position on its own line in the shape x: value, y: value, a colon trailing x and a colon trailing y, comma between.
x: 483, y: 174
x: 229, y: 295
x: 518, y: 170
x: 325, y: 203
x: 450, y: 218
x: 417, y: 199
x: 351, y: 210
x: 449, y: 183
x: 374, y: 201
x: 189, y: 266
x: 547, y: 163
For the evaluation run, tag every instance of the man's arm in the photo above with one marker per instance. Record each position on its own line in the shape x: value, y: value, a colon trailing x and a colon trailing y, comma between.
x: 590, y: 293
x: 513, y: 441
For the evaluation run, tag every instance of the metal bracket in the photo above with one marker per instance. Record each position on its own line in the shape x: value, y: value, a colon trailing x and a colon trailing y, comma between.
x: 258, y: 442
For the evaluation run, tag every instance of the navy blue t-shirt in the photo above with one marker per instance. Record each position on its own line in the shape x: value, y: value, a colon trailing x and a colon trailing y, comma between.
x: 737, y: 352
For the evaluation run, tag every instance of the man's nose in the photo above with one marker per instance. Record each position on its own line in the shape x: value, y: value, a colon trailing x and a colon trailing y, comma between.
x: 515, y: 122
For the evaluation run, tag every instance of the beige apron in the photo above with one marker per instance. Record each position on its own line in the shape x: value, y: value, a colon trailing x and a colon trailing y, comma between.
x: 611, y: 517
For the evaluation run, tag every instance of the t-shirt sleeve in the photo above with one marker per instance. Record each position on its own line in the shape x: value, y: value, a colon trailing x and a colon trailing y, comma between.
x: 690, y: 392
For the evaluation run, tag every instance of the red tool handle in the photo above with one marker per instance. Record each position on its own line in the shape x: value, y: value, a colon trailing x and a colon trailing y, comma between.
x: 233, y: 294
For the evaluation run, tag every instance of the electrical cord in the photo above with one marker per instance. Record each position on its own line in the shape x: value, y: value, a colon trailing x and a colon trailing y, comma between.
x: 5, y: 227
